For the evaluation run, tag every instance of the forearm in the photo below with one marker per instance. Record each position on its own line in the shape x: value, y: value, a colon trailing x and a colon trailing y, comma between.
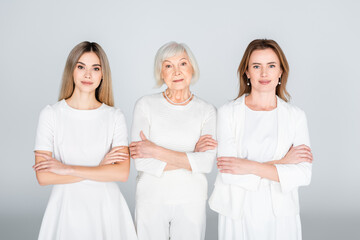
x: 104, y: 173
x: 48, y: 178
x: 170, y: 167
x: 264, y: 170
x: 177, y: 159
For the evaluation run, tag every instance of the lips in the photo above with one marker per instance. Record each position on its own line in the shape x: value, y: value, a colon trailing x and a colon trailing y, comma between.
x: 264, y: 82
x: 86, y: 83
x: 178, y: 80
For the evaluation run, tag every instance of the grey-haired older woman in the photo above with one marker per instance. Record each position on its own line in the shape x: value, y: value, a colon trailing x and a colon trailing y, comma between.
x: 174, y: 144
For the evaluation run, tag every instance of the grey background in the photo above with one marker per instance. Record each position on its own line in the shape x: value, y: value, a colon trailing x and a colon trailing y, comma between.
x: 319, y: 38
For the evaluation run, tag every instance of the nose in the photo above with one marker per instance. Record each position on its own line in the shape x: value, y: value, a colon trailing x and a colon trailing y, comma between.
x: 263, y: 72
x: 176, y: 70
x: 87, y: 74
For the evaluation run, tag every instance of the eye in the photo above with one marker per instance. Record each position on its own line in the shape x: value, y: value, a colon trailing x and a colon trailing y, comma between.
x: 80, y: 67
x: 256, y: 66
x: 272, y: 66
x: 97, y: 69
x: 183, y: 64
x: 167, y: 66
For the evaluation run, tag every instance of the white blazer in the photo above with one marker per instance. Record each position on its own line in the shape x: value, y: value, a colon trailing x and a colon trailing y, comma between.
x: 230, y: 190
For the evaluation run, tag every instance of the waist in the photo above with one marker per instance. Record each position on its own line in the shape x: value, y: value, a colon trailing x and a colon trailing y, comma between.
x: 176, y: 186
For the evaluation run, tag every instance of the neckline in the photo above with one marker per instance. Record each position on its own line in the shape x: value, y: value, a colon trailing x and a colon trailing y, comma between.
x: 67, y: 106
x: 164, y: 101
x: 260, y: 111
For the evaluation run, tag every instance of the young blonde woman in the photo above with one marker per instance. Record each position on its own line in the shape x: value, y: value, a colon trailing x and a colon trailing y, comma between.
x: 81, y: 149
x: 263, y: 152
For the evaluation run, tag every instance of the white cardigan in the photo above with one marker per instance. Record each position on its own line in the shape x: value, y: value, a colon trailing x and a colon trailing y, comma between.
x: 230, y: 190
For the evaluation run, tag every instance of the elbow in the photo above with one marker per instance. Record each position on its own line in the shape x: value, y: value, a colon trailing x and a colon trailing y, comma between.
x: 123, y: 178
x: 41, y: 180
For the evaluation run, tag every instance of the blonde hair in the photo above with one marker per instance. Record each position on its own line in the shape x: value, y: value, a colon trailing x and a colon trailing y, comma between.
x: 103, y: 92
x: 171, y: 49
x: 260, y: 44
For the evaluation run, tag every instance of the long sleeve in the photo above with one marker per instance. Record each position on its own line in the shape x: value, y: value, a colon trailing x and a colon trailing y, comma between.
x: 227, y: 147
x: 141, y: 122
x: 294, y: 175
x: 202, y: 162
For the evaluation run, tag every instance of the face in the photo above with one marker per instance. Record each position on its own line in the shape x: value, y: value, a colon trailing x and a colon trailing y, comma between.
x: 264, y: 70
x: 177, y: 72
x: 87, y: 73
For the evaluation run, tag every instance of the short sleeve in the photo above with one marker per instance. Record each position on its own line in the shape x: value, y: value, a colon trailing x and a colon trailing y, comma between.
x: 45, y: 131
x: 120, y: 137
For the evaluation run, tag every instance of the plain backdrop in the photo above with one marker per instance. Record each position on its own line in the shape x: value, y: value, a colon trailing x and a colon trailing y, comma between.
x: 321, y: 42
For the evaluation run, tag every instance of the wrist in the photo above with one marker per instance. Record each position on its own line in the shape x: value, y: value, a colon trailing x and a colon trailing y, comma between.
x: 70, y: 170
x: 157, y: 152
x: 253, y: 166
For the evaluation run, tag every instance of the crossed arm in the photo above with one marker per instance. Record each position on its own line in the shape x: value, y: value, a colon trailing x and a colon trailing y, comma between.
x: 114, y: 167
x: 174, y: 159
x: 233, y: 165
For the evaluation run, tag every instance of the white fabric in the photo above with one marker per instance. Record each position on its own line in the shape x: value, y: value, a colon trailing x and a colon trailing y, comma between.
x: 177, y: 221
x: 177, y: 128
x: 86, y: 209
x: 167, y: 202
x: 258, y: 221
x: 228, y: 198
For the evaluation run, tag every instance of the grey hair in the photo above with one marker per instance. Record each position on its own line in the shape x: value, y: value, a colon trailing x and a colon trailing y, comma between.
x: 171, y: 49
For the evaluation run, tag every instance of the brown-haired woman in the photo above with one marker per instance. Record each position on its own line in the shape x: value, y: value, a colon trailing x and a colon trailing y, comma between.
x: 263, y: 152
x: 81, y: 149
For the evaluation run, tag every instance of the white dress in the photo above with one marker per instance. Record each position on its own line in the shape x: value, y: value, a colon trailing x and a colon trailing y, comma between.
x: 86, y: 209
x: 258, y: 221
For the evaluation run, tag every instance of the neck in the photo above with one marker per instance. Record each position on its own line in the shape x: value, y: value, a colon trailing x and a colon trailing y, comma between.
x: 83, y: 101
x: 178, y: 96
x: 261, y: 101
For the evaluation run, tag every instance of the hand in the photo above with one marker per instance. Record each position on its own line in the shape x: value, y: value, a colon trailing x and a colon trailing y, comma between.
x: 114, y: 156
x: 205, y: 142
x: 234, y: 165
x: 143, y: 148
x: 298, y: 154
x: 51, y: 165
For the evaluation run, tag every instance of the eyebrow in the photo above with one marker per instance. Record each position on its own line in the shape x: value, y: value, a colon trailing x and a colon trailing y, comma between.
x: 171, y: 62
x: 93, y: 64
x: 260, y: 63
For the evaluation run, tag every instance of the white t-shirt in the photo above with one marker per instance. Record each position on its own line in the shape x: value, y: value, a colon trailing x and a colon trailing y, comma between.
x: 177, y: 128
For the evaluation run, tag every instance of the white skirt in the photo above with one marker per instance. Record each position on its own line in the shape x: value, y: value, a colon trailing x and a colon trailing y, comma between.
x: 87, y: 210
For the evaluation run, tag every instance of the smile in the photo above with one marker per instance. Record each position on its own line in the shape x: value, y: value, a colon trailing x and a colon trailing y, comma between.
x: 86, y: 83
x: 264, y: 82
x: 178, y: 80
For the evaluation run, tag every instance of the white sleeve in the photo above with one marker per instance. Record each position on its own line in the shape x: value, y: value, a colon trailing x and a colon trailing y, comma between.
x: 141, y: 123
x: 227, y: 147
x: 202, y: 162
x: 294, y: 175
x: 120, y: 136
x: 45, y: 130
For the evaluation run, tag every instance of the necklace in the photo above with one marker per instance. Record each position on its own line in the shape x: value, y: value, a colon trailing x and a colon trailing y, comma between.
x: 187, y: 100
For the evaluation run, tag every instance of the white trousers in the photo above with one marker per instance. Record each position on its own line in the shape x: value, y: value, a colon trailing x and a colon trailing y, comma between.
x: 170, y: 221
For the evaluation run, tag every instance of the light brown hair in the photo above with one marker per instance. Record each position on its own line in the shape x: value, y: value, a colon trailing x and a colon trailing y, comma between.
x: 103, y: 92
x: 261, y: 44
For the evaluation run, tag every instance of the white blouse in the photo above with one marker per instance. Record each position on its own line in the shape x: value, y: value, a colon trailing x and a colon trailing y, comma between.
x: 177, y: 128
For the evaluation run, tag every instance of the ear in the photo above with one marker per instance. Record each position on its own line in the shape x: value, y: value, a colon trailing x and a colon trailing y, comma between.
x: 247, y: 73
